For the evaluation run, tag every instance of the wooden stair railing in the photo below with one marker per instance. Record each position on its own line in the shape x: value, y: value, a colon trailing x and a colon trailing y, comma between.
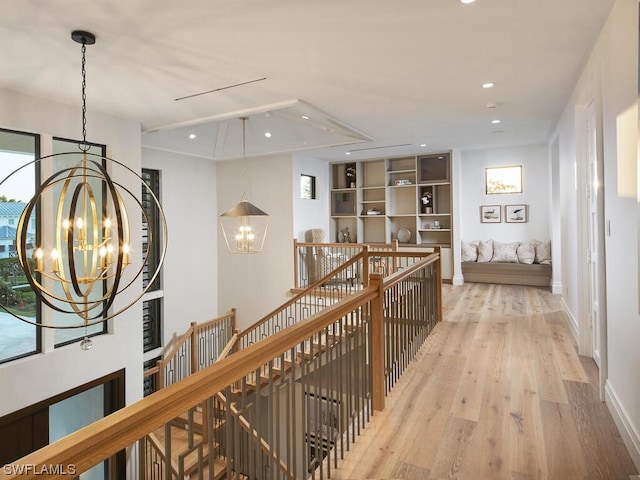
x: 255, y: 436
x: 303, y: 304
x: 192, y: 351
x: 102, y: 439
x: 124, y: 428
x: 307, y: 256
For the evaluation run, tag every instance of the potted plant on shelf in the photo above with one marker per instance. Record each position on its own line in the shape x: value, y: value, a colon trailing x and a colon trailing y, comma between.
x: 427, y: 197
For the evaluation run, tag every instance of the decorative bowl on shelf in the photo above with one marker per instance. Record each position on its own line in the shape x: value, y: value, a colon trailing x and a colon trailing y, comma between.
x: 404, y: 235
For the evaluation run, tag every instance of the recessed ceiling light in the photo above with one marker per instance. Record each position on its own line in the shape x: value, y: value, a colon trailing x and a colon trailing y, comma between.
x: 423, y: 144
x: 491, y: 105
x: 467, y: 1
x: 347, y: 153
x: 495, y: 121
x: 192, y: 136
x: 305, y: 117
x: 267, y: 134
x: 488, y: 85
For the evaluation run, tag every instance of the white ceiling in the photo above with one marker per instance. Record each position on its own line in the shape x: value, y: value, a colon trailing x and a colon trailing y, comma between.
x: 384, y: 76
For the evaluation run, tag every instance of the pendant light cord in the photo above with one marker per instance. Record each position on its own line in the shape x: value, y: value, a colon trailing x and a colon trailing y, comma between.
x: 244, y: 159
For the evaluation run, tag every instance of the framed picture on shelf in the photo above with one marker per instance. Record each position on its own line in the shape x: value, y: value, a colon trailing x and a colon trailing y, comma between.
x: 516, y: 213
x: 490, y: 214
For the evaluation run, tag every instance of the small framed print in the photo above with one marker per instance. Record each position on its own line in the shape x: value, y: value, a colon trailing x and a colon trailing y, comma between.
x: 490, y: 214
x: 516, y: 213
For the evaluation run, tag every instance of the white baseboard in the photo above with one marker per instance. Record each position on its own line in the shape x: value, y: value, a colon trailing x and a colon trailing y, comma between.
x: 625, y: 426
x: 573, y: 322
x: 556, y: 288
x: 458, y: 280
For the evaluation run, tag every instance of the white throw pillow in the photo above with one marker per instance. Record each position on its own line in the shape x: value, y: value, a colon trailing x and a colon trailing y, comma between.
x: 485, y: 250
x: 543, y: 252
x: 470, y: 251
x: 526, y: 253
x: 505, y: 252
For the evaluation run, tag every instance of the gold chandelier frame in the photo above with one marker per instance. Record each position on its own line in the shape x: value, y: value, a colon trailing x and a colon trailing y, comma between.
x: 103, y: 262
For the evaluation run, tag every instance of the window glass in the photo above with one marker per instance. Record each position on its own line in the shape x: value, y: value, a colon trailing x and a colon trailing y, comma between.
x: 18, y: 338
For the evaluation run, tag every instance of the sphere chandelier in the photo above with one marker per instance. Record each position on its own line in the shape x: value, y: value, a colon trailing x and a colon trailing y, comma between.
x: 79, y: 259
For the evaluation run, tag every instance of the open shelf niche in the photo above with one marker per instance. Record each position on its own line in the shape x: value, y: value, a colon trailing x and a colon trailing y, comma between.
x: 378, y: 198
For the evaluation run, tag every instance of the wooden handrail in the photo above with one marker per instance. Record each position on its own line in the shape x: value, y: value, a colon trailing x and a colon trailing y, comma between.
x: 393, y: 246
x: 396, y: 277
x: 102, y: 439
x: 216, y: 320
x: 151, y: 371
x: 181, y: 341
x: 229, y: 346
x: 306, y: 291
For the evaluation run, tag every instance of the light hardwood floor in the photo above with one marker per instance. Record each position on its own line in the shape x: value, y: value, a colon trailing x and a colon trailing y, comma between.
x: 498, y: 392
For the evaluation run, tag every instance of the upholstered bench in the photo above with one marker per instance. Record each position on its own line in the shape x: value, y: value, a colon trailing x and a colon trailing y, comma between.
x: 507, y: 273
x: 514, y: 263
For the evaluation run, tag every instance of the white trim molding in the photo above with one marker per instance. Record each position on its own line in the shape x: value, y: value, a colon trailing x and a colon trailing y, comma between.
x: 627, y: 431
x: 573, y: 322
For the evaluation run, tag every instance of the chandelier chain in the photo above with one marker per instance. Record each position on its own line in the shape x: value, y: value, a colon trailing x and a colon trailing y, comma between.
x: 84, y: 146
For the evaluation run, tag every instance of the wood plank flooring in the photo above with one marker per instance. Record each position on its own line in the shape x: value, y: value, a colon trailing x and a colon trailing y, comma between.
x: 497, y: 392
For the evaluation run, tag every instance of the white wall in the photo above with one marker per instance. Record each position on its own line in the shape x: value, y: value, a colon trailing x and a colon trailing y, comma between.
x: 309, y: 214
x: 535, y: 188
x: 39, y: 377
x: 190, y: 280
x: 612, y: 68
x: 256, y: 284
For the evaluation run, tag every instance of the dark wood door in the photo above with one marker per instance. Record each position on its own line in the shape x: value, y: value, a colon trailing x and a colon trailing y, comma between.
x: 22, y: 434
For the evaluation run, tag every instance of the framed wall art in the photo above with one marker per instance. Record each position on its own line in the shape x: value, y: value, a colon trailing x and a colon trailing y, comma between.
x: 503, y: 179
x: 490, y: 214
x: 516, y: 213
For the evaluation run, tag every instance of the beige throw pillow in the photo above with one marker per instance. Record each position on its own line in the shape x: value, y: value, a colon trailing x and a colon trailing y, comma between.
x: 470, y: 251
x: 505, y: 252
x: 485, y: 250
x: 526, y: 253
x: 543, y: 252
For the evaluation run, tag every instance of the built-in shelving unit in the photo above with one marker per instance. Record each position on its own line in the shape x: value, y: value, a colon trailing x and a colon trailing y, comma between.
x: 377, y: 198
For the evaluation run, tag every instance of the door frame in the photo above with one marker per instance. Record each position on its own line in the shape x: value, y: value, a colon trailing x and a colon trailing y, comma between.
x: 589, y: 129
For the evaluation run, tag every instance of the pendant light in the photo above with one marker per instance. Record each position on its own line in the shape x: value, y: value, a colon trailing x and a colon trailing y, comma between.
x: 244, y: 226
x: 81, y: 257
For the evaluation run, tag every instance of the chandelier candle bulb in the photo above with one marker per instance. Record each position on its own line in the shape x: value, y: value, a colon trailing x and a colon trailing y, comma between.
x: 55, y: 265
x: 38, y: 254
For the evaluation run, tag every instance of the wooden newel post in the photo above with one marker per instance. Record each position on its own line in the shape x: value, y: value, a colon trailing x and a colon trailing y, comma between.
x: 295, y: 263
x: 377, y: 342
x: 439, y: 286
x: 365, y: 266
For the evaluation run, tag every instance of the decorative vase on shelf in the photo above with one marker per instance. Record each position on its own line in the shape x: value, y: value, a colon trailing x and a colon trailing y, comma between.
x: 404, y: 235
x: 317, y: 235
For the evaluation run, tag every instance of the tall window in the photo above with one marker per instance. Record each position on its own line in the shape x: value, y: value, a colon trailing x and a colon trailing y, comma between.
x: 70, y: 335
x: 152, y: 303
x: 18, y: 338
